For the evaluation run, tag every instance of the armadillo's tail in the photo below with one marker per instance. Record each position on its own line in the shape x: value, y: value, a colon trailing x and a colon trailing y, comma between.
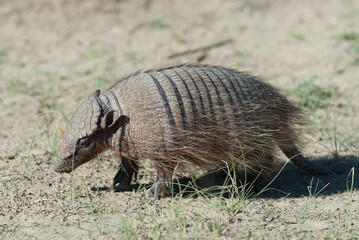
x: 297, y: 158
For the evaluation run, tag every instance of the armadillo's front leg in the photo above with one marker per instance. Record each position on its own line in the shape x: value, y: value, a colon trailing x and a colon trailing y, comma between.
x: 123, y: 178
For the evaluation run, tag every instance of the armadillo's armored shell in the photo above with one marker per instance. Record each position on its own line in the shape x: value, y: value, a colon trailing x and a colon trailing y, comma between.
x: 201, y: 115
x: 83, y: 123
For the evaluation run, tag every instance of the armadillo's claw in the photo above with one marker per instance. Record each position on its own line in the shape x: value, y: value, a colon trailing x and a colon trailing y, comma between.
x: 121, y: 182
x: 159, y: 189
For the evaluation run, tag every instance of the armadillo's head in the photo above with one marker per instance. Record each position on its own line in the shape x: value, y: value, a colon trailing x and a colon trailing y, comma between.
x: 87, y: 134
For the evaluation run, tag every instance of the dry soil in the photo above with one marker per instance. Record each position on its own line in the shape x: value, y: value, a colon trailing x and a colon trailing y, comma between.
x: 53, y: 54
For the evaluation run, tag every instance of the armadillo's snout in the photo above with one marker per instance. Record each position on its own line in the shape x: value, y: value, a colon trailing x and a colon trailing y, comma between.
x: 63, y: 166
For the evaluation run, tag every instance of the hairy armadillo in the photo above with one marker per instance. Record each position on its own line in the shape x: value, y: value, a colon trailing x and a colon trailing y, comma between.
x: 184, y: 117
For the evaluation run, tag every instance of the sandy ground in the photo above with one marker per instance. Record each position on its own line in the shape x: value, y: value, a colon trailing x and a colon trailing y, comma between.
x: 53, y: 54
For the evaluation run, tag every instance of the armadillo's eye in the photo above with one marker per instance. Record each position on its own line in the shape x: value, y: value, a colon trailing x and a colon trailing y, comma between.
x: 83, y: 142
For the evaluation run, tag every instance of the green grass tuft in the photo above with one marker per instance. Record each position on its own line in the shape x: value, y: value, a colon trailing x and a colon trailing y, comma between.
x: 157, y: 23
x: 297, y: 36
x: 2, y: 56
x: 349, y: 36
x: 208, y: 16
x: 240, y: 59
x: 312, y: 96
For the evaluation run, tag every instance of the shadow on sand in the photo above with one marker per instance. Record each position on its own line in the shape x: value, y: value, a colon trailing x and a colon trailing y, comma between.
x: 292, y: 182
x: 295, y: 182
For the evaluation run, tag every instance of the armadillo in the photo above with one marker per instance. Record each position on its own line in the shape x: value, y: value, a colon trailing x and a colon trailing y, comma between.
x: 183, y: 118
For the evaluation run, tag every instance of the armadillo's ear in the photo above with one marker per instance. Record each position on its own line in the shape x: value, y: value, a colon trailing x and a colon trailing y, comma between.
x: 96, y: 93
x: 109, y: 119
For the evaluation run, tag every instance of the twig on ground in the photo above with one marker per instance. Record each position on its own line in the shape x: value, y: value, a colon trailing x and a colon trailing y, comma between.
x: 199, y: 49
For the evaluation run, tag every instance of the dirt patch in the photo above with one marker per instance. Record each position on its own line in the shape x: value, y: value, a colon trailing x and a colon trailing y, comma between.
x: 53, y: 54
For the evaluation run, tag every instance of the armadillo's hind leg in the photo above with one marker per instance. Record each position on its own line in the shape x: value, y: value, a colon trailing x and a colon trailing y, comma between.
x: 258, y: 177
x: 161, y: 187
x: 297, y: 158
x: 123, y: 178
